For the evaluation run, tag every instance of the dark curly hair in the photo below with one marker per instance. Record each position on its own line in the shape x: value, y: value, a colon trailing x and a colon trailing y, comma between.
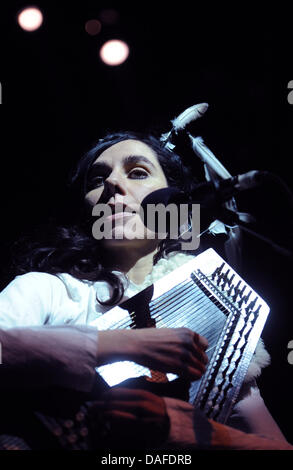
x: 72, y: 249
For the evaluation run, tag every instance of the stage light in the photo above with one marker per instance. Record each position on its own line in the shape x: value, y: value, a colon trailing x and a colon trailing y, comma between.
x: 114, y: 52
x: 93, y: 27
x: 30, y: 18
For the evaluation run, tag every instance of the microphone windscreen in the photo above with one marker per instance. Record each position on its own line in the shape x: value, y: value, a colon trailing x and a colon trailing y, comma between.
x: 150, y: 214
x: 163, y: 196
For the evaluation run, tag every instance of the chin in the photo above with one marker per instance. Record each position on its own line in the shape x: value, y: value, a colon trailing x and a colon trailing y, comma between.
x: 129, y: 243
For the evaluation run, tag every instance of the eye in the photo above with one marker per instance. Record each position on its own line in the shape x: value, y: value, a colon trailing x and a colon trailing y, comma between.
x: 138, y: 173
x: 95, y: 181
x: 98, y: 180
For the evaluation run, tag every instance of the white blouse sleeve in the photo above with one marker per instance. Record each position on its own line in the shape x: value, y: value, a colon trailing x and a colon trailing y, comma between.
x: 30, y: 300
x: 39, y: 357
x: 35, y: 351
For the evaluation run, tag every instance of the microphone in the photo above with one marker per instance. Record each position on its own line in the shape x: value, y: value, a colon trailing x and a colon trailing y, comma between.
x: 210, y: 194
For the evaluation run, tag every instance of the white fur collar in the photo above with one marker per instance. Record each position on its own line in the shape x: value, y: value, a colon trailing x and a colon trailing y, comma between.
x: 163, y: 267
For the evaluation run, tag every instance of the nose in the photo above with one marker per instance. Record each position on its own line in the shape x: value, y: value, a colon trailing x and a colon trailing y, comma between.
x: 113, y: 186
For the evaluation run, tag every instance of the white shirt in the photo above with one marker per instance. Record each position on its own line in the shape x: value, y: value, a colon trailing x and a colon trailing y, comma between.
x: 35, y: 298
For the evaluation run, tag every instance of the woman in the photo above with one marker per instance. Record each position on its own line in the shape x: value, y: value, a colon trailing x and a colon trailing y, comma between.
x: 78, y: 278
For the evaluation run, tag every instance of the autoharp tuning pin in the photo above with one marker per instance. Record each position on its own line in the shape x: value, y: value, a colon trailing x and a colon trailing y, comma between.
x: 231, y: 286
x: 251, y: 305
x: 231, y: 279
x: 246, y: 298
x: 242, y: 291
x: 236, y: 291
x: 225, y: 279
x: 241, y: 300
x: 229, y: 291
x: 217, y: 271
x: 221, y: 277
x: 256, y: 312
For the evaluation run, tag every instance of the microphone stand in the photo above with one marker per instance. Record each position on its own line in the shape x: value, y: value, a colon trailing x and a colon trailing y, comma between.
x: 228, y: 214
x: 214, y: 171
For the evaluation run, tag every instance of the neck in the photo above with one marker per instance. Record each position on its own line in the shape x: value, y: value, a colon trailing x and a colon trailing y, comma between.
x: 136, y: 263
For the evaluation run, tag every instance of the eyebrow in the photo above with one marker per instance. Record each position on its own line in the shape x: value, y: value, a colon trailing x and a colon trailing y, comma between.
x: 129, y: 160
x: 137, y: 159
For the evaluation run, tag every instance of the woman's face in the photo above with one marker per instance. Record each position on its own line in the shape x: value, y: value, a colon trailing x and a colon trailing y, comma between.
x: 121, y: 177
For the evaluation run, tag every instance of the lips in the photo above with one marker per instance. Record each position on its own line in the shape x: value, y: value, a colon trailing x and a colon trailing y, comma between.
x: 119, y: 215
x: 120, y: 211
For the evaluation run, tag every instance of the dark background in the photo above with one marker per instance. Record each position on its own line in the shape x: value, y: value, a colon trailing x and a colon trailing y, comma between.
x: 58, y: 97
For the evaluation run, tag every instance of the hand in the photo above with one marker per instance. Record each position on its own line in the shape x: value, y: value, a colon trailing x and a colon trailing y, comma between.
x: 126, y: 418
x: 176, y: 350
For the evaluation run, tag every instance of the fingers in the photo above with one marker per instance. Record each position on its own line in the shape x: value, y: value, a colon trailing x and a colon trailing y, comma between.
x: 127, y: 393
x: 200, y: 346
x: 201, y: 340
x: 195, y: 358
x: 192, y: 369
x: 172, y: 350
x: 138, y: 402
x: 125, y: 416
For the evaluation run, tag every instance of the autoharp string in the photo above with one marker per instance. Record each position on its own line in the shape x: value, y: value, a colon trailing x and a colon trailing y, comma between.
x: 186, y: 302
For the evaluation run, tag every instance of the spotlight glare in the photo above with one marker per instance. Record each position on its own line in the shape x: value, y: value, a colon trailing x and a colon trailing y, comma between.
x: 114, y: 52
x: 30, y: 19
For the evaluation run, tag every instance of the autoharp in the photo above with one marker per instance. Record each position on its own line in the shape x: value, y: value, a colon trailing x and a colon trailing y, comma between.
x: 209, y: 297
x: 205, y: 295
